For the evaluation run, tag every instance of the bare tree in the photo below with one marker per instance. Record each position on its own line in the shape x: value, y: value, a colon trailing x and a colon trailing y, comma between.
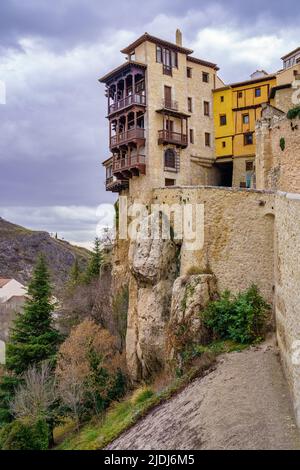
x: 36, y: 395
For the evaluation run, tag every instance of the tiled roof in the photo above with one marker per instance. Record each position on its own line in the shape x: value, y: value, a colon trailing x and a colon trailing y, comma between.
x: 148, y: 37
x: 3, y: 282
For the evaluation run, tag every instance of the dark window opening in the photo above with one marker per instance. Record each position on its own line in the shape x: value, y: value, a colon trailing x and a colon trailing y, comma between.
x: 190, y: 105
x: 207, y: 139
x: 191, y: 136
x: 223, y: 120
x: 205, y: 77
x: 169, y: 182
x: 240, y: 94
x: 189, y: 72
x: 170, y: 158
x: 222, y: 99
x: 248, y: 138
x: 257, y: 92
x: 223, y: 144
x: 206, y: 108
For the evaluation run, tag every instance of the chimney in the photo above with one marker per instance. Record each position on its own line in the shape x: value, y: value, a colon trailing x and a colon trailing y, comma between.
x: 178, y: 37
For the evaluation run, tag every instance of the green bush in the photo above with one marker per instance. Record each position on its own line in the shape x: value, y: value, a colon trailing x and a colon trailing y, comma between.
x: 293, y: 113
x: 240, y: 318
x: 25, y: 435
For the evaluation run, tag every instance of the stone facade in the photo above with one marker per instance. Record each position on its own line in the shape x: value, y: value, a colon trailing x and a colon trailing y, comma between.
x: 278, y: 152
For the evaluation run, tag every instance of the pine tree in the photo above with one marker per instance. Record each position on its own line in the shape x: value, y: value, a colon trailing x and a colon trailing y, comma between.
x: 33, y: 338
x: 74, y: 274
x: 96, y: 261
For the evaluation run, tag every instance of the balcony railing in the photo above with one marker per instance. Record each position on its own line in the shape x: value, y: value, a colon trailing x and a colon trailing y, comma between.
x: 167, y: 70
x: 170, y: 137
x: 115, y: 185
x: 127, y: 101
x: 128, y: 162
x: 170, y: 104
x: 127, y: 136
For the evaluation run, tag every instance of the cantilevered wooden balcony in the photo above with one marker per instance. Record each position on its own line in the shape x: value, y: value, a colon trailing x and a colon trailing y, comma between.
x: 170, y: 137
x: 170, y: 105
x: 135, y: 135
x: 116, y: 185
x: 130, y: 100
x: 128, y: 166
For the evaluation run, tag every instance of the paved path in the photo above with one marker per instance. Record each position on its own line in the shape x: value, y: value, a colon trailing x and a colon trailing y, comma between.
x: 243, y: 404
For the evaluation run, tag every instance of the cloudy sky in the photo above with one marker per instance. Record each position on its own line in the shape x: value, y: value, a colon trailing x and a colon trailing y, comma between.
x: 53, y: 131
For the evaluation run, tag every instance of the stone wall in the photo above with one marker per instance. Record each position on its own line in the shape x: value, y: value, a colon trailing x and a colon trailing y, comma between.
x: 287, y: 292
x: 278, y: 168
x: 238, y: 235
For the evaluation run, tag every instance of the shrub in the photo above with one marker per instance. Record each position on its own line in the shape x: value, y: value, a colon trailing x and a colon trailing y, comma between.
x: 25, y: 435
x: 240, y: 318
x: 294, y: 112
x: 89, y: 370
x: 282, y: 143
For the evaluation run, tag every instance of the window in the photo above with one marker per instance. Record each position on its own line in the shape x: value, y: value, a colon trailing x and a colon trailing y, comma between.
x: 189, y: 72
x: 207, y: 139
x: 169, y: 182
x: 257, y: 92
x: 223, y: 144
x: 245, y: 118
x: 190, y: 105
x: 191, y: 136
x: 222, y: 99
x: 158, y: 54
x: 170, y: 158
x: 248, y: 138
x: 169, y: 125
x: 205, y: 77
x: 206, y: 108
x: 249, y: 166
x: 240, y: 94
x: 223, y: 120
x: 166, y: 56
x: 168, y: 96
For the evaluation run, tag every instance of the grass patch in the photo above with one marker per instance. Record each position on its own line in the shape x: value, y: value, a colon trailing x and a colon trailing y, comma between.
x: 124, y: 414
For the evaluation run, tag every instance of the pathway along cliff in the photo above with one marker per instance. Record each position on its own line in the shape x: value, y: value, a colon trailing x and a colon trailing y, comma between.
x: 243, y: 404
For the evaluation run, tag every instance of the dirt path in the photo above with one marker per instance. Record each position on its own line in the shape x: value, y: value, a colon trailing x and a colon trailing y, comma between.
x: 243, y: 404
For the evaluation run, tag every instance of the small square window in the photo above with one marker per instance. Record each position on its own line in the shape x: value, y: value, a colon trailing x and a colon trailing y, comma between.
x: 245, y: 118
x: 248, y: 138
x: 223, y: 120
x: 257, y: 92
x: 240, y: 94
x: 189, y: 72
x: 169, y: 182
x: 207, y: 139
x: 205, y: 77
x: 222, y: 99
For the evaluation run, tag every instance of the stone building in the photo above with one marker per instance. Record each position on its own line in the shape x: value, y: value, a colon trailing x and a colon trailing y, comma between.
x: 160, y: 112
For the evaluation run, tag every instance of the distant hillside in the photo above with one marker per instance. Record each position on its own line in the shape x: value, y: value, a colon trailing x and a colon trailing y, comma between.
x: 19, y: 248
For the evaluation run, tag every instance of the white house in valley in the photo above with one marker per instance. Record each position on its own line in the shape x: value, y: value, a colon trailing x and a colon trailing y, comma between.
x: 12, y: 297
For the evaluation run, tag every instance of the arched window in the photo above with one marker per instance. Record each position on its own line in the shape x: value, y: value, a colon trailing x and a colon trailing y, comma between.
x: 170, y: 158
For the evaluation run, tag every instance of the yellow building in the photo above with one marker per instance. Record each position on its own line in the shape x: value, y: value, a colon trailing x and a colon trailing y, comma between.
x: 236, y: 110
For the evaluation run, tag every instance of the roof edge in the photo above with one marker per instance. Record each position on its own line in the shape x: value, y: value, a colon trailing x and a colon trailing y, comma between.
x: 148, y: 37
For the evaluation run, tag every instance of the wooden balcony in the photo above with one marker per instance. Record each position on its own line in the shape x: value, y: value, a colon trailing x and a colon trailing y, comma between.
x: 136, y: 99
x: 116, y: 185
x: 167, y: 70
x: 135, y: 135
x: 169, y: 137
x: 129, y: 166
x: 170, y: 105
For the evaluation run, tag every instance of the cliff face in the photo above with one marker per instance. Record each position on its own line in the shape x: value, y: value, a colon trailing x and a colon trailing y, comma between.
x: 20, y: 247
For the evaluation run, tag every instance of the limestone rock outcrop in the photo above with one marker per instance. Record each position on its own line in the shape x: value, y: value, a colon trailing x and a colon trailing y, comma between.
x: 190, y: 295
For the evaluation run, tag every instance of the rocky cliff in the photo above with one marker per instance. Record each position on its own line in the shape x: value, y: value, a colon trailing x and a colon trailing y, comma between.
x: 20, y: 247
